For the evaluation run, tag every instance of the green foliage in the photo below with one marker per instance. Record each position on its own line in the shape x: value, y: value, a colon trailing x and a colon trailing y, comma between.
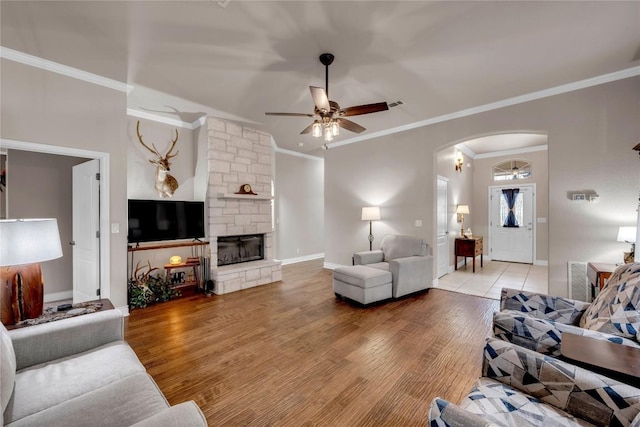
x: 162, y: 289
x: 149, y: 289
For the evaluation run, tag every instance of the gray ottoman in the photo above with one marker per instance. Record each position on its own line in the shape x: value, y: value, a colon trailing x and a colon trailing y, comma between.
x: 362, y: 284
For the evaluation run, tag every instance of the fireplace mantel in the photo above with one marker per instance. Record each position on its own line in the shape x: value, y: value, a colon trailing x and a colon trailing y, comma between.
x: 242, y: 196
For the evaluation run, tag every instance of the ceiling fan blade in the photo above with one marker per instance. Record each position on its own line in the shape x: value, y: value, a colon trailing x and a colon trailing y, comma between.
x: 290, y: 114
x: 307, y: 129
x: 320, y: 99
x: 364, y: 109
x: 349, y: 125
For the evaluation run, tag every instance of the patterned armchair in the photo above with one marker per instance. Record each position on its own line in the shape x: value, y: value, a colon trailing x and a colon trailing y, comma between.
x: 537, y: 321
x: 520, y: 387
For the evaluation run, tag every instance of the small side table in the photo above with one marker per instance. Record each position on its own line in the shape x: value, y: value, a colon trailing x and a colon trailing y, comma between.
x: 468, y: 246
x: 598, y: 273
x: 194, y: 281
x: 616, y: 361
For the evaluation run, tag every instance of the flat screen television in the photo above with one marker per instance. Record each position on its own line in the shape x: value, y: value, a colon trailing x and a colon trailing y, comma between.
x: 158, y: 220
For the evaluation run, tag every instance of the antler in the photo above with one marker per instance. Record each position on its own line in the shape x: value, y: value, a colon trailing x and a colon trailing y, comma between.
x: 142, y: 278
x: 173, y: 144
x: 155, y: 150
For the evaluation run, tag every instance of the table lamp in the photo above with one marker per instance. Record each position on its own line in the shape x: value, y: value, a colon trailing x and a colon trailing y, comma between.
x: 461, y: 210
x: 24, y: 244
x: 628, y: 235
x: 371, y: 213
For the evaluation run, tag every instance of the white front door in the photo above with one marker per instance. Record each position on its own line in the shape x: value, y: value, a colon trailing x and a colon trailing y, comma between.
x: 442, y: 227
x: 512, y: 241
x: 86, y: 229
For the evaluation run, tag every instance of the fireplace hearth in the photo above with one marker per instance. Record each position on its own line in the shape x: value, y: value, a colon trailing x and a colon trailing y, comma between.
x: 238, y: 249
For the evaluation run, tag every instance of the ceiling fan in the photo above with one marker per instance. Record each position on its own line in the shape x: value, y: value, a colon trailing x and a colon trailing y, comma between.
x: 327, y: 114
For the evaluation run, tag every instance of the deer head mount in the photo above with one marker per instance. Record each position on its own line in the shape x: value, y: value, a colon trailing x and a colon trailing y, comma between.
x: 166, y: 184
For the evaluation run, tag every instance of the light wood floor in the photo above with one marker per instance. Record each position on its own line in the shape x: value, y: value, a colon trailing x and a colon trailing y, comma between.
x: 291, y: 354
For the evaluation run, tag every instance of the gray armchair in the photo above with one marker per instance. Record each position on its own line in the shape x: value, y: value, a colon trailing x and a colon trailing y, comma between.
x: 409, y: 260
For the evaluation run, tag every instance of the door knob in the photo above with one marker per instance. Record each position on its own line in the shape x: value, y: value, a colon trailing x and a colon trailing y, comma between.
x: 72, y: 243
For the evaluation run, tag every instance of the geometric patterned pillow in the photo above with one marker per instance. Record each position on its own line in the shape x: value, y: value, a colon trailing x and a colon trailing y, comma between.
x: 616, y: 309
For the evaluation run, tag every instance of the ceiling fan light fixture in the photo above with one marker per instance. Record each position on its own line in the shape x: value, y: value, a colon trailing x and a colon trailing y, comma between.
x: 328, y: 134
x: 335, y: 128
x: 316, y: 130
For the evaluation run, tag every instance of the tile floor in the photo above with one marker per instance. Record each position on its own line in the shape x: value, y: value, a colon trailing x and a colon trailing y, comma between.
x: 488, y: 281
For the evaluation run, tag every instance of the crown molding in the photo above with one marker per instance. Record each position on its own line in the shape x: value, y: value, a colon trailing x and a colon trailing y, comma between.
x: 166, y: 120
x: 466, y: 150
x: 297, y: 154
x: 545, y: 93
x: 513, y: 152
x: 45, y: 64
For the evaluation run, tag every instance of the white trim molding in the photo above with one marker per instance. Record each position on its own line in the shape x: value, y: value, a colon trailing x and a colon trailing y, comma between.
x: 296, y: 154
x: 557, y: 90
x: 65, y: 70
x: 167, y: 120
x: 513, y: 152
x: 302, y: 259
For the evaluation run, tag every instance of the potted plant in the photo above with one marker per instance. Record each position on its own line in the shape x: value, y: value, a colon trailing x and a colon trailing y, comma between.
x: 144, y: 289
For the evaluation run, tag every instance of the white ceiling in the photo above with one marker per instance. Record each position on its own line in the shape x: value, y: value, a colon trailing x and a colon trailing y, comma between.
x: 239, y: 59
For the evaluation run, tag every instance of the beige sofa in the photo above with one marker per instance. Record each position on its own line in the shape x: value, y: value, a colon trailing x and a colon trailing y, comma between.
x: 80, y: 372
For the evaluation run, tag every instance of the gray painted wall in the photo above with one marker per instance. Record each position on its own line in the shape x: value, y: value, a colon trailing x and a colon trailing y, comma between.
x: 591, y: 135
x: 40, y: 187
x: 47, y: 108
x: 461, y: 191
x: 141, y: 173
x: 299, y: 206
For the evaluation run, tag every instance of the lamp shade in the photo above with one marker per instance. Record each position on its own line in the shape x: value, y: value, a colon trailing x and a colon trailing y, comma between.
x: 462, y: 209
x: 627, y: 234
x: 26, y: 241
x: 370, y: 213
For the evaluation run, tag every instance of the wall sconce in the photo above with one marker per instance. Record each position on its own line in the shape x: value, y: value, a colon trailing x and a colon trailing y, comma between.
x: 371, y: 213
x: 459, y: 161
x: 461, y: 210
x: 628, y: 235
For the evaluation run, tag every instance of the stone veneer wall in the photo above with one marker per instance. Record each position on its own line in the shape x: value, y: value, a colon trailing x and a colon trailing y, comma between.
x: 239, y: 155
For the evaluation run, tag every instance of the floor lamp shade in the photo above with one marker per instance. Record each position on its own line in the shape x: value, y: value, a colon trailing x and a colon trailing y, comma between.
x: 371, y: 213
x: 24, y: 243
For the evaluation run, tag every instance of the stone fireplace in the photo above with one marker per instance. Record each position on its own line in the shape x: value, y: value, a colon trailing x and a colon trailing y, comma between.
x: 239, y: 249
x: 237, y: 156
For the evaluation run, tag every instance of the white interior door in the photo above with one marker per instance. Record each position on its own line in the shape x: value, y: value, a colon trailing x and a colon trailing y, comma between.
x: 86, y: 231
x: 512, y: 243
x: 442, y: 227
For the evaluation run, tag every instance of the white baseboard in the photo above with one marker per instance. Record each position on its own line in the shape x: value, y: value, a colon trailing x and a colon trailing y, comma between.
x: 332, y: 266
x: 302, y: 258
x: 58, y: 296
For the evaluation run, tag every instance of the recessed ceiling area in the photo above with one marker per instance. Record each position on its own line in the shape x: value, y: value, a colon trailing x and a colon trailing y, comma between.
x: 496, y: 143
x: 238, y: 59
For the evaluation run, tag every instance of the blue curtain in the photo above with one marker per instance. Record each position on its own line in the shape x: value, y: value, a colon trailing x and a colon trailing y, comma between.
x: 510, y: 196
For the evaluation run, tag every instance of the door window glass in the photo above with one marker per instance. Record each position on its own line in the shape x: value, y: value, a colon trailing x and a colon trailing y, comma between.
x: 518, y: 210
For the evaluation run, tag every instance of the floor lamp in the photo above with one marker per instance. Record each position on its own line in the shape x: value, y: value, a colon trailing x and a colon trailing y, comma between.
x: 371, y: 213
x: 24, y: 244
